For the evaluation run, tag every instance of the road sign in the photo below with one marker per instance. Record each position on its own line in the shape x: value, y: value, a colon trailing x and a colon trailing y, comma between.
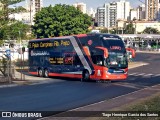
x: 8, y: 53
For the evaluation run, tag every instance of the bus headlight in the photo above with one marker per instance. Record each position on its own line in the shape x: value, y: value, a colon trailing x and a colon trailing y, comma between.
x: 107, y: 76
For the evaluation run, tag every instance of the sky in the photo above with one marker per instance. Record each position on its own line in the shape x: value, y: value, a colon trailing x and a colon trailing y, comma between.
x: 90, y: 3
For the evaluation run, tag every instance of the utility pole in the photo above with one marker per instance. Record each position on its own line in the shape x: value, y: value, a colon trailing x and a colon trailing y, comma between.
x: 8, y: 54
x: 30, y: 7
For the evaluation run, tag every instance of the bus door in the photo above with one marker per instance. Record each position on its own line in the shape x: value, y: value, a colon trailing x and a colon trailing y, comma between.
x: 97, y: 56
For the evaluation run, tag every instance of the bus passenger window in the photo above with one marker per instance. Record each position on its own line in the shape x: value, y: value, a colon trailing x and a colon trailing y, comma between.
x: 77, y: 60
x: 97, y: 59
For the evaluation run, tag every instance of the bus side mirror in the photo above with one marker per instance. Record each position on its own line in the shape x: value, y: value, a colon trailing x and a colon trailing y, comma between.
x: 86, y: 49
x: 132, y: 51
x: 106, y: 53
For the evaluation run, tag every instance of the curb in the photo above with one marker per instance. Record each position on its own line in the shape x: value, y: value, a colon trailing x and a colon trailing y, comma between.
x: 8, y: 85
x: 152, y: 52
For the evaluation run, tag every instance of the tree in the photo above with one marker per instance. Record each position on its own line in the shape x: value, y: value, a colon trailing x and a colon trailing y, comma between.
x: 60, y: 20
x: 105, y: 30
x: 7, y: 11
x: 129, y: 29
x: 15, y: 31
x: 113, y: 31
x: 8, y: 27
x: 150, y: 30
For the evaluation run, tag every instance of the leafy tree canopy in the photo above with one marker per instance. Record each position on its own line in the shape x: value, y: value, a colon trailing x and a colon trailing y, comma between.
x: 129, y: 29
x: 105, y: 30
x: 9, y: 28
x: 6, y: 11
x: 60, y: 20
x: 10, y: 2
x: 14, y: 31
x: 150, y: 30
x: 113, y: 31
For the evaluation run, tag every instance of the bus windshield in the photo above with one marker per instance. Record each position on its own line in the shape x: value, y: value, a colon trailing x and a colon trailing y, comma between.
x: 114, y: 45
x: 117, y: 53
x: 116, y: 60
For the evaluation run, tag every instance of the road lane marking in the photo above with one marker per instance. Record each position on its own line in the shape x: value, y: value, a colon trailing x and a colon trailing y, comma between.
x: 157, y: 75
x: 148, y: 75
x: 142, y: 74
x: 132, y: 73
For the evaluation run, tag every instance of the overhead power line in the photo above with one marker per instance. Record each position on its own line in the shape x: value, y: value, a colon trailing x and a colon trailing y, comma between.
x: 141, y: 1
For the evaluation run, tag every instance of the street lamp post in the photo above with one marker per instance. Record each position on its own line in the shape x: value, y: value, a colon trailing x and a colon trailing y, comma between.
x: 135, y: 27
x: 30, y: 10
x: 8, y: 53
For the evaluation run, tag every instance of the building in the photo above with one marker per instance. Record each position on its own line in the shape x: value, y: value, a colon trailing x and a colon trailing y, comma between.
x: 24, y: 17
x: 158, y: 15
x: 141, y: 12
x: 142, y: 25
x: 37, y: 5
x: 139, y: 26
x: 152, y: 9
x: 32, y: 7
x: 112, y: 12
x: 133, y: 14
x: 123, y: 9
x: 81, y: 7
x: 91, y: 12
x: 100, y: 16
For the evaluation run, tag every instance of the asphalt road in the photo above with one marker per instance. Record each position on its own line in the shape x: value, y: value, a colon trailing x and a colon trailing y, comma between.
x: 62, y: 95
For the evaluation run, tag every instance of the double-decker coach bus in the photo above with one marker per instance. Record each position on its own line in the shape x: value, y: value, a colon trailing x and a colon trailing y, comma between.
x: 93, y: 56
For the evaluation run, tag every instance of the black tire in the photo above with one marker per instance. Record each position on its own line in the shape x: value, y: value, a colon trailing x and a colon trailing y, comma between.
x: 40, y: 72
x: 85, y: 75
x: 37, y: 72
x: 46, y: 74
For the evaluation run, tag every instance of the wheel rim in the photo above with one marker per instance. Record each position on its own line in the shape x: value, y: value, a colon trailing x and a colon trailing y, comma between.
x: 46, y: 73
x: 40, y: 73
x: 86, y: 75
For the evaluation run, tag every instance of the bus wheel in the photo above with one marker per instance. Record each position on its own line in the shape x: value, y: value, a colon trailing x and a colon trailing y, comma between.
x: 85, y: 75
x: 40, y: 72
x: 46, y: 73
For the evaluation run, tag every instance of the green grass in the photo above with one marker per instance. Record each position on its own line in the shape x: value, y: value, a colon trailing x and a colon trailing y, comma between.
x: 150, y: 105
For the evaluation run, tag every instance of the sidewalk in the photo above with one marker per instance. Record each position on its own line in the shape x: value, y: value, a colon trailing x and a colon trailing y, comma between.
x: 153, y: 52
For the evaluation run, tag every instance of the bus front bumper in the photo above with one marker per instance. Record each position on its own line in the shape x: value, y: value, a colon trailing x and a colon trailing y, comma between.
x: 115, y: 77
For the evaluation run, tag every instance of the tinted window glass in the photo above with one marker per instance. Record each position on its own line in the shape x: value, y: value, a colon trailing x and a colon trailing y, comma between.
x: 113, y: 44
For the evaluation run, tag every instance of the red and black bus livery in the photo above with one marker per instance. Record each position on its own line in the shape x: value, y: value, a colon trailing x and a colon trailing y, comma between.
x: 94, y: 56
